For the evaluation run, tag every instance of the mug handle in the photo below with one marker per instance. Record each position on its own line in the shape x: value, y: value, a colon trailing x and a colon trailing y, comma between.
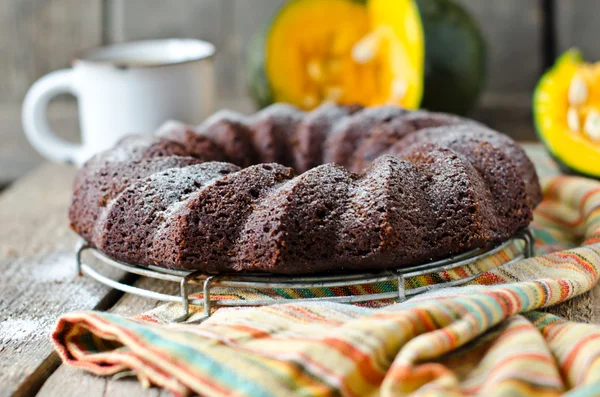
x: 35, y: 121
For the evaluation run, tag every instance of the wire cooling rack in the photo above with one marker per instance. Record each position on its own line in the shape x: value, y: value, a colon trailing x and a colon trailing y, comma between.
x: 271, y: 282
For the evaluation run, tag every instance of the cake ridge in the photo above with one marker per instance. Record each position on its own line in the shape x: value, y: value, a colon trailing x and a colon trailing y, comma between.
x: 204, y: 218
x: 456, y: 189
x: 479, y: 133
x: 138, y: 210
x: 498, y: 170
x: 367, y: 205
x: 279, y: 221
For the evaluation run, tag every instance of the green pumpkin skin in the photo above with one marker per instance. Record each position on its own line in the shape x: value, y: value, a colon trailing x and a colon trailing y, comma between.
x: 455, y: 57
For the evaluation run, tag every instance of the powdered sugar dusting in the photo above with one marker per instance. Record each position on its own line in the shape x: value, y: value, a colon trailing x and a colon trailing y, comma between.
x: 365, y: 117
x: 279, y: 111
x: 381, y: 113
x: 58, y: 267
x: 125, y: 147
x: 175, y: 181
x: 18, y: 329
x: 225, y: 114
x: 168, y: 126
x: 327, y: 111
x: 178, y: 179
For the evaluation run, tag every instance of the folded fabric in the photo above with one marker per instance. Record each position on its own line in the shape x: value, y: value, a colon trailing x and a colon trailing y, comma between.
x: 488, y: 338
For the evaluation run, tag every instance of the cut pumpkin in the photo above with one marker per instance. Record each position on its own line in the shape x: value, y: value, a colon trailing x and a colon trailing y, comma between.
x: 353, y: 54
x: 566, y: 107
x: 370, y: 52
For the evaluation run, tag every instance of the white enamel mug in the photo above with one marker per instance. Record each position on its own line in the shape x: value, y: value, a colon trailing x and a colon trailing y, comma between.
x: 122, y: 89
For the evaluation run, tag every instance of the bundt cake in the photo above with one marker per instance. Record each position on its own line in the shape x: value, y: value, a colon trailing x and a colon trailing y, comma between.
x: 373, y: 188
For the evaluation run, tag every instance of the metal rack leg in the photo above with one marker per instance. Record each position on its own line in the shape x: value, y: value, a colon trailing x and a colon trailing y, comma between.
x: 185, y: 296
x: 401, y: 289
x: 82, y: 245
x: 530, y: 243
x: 207, y: 300
x: 206, y: 293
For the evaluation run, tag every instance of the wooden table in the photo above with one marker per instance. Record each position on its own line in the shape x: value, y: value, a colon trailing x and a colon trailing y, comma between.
x: 39, y: 283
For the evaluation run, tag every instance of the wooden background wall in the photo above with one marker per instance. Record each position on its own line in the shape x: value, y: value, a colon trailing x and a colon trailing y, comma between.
x: 37, y: 36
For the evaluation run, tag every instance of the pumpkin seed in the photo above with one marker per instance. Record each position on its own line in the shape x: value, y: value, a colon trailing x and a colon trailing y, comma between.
x: 592, y: 125
x: 310, y: 101
x: 578, y: 91
x: 366, y: 48
x: 314, y: 68
x: 398, y: 89
x: 333, y: 93
x: 573, y: 120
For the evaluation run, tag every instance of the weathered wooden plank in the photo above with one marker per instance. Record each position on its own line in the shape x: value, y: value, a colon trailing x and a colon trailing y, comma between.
x: 512, y: 29
x: 69, y: 381
x: 17, y: 156
x: 508, y: 113
x: 584, y: 308
x: 39, y: 281
x: 142, y: 19
x: 249, y: 17
x: 38, y: 36
x: 203, y: 19
x: 577, y: 26
x: 229, y: 24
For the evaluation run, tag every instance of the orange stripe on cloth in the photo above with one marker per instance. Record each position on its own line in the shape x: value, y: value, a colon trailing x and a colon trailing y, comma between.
x: 580, y: 345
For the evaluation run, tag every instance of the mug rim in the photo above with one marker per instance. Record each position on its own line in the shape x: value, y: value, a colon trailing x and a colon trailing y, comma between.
x: 83, y: 56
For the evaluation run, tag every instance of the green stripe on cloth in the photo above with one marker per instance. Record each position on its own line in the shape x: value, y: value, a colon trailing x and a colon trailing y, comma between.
x: 490, y: 337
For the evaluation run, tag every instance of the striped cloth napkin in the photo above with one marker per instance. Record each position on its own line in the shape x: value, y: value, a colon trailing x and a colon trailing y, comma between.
x: 492, y: 337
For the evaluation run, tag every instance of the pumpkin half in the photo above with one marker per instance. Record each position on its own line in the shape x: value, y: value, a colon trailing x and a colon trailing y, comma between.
x: 342, y: 51
x: 566, y: 106
x: 369, y: 52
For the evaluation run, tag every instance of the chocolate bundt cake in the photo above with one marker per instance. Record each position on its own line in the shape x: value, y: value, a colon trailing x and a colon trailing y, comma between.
x: 373, y: 188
